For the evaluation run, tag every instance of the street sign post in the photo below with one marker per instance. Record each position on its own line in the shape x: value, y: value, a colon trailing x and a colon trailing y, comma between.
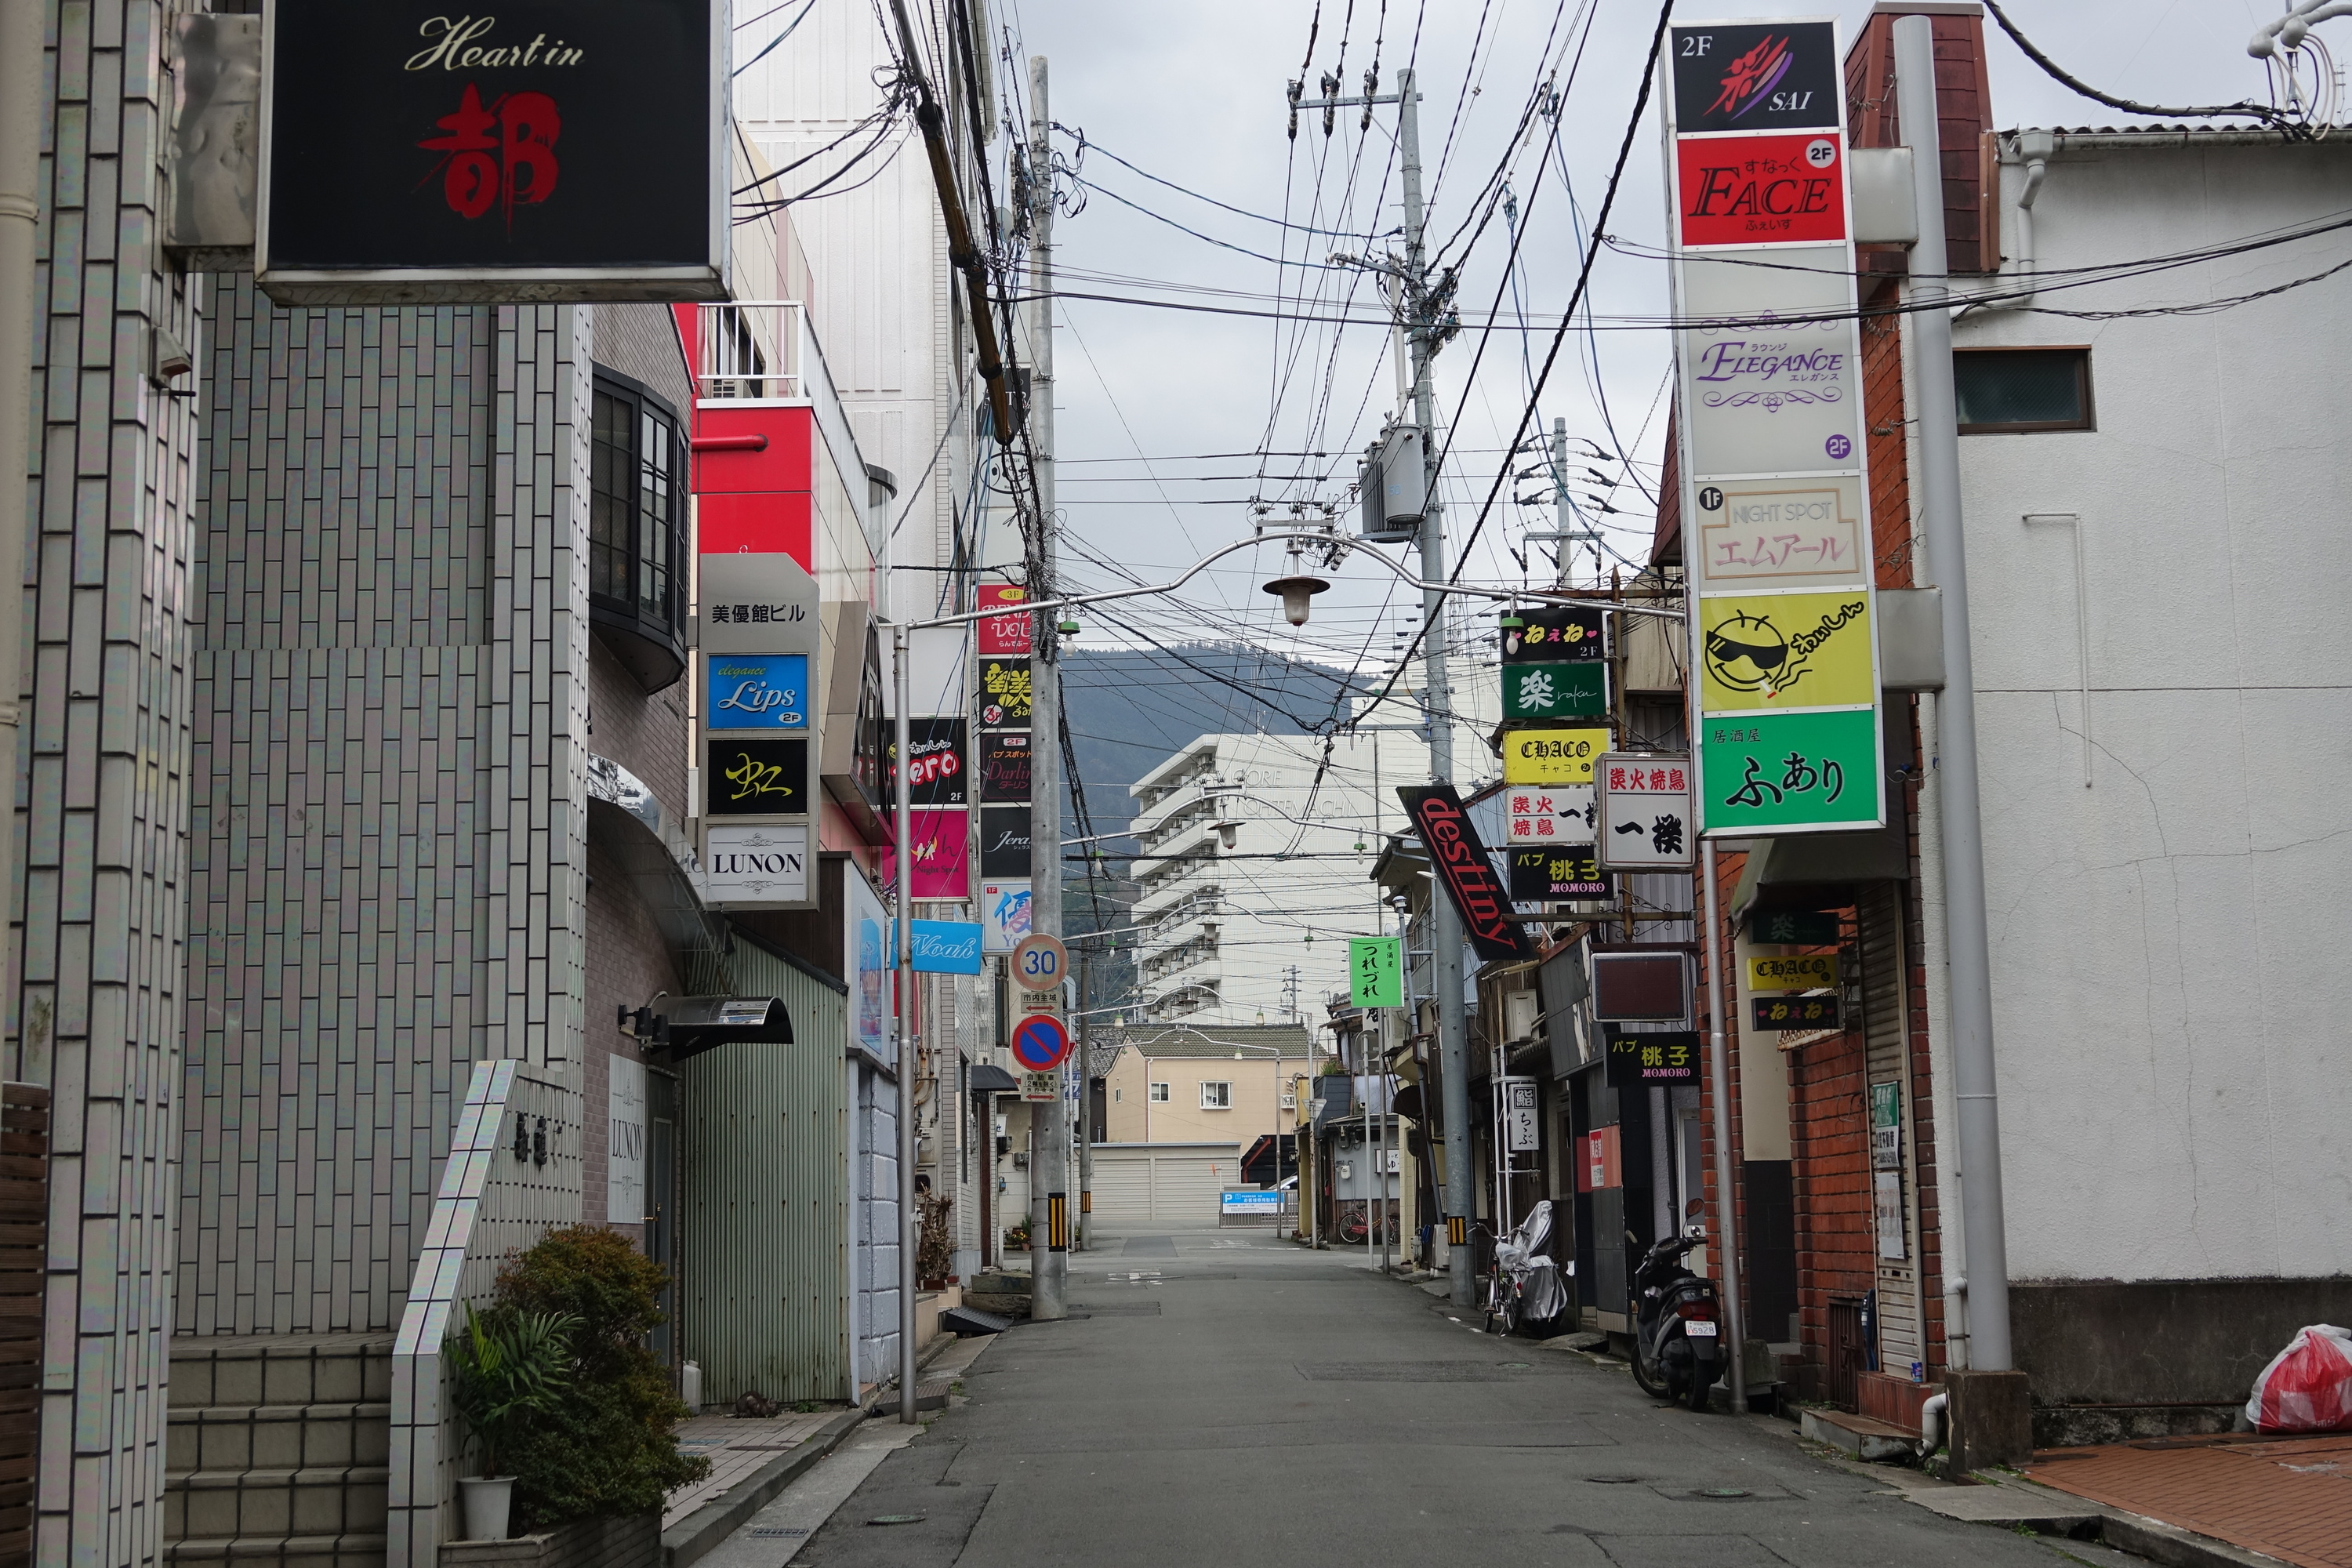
x: 1039, y: 961
x: 1040, y: 1043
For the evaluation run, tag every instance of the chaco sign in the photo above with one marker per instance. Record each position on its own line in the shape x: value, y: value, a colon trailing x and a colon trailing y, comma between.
x: 421, y: 151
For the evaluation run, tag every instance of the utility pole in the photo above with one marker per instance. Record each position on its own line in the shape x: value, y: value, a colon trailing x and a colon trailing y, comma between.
x: 1560, y: 507
x: 1422, y: 341
x: 1968, y: 957
x: 1049, y: 1221
x: 1086, y: 1113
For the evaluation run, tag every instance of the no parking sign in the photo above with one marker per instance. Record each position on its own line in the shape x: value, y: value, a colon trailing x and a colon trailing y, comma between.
x: 1040, y: 1042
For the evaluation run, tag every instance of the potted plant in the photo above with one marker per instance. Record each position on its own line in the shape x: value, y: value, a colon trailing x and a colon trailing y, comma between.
x: 510, y: 1367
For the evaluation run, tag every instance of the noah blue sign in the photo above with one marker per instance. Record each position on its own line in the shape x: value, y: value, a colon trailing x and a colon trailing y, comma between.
x: 757, y: 692
x: 946, y: 947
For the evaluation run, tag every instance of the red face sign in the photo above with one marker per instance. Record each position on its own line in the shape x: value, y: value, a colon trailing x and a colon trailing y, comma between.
x: 1760, y: 190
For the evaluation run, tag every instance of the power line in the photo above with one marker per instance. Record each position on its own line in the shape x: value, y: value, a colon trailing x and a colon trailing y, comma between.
x: 2264, y: 112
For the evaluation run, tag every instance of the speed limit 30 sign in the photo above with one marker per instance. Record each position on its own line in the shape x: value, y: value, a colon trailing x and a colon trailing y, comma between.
x: 1039, y: 961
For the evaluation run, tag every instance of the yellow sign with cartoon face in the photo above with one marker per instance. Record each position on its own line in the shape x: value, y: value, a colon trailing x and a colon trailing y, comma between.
x: 1785, y: 651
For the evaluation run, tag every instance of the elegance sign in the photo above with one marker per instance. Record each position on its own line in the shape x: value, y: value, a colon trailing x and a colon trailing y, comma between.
x: 544, y: 149
x: 1478, y: 895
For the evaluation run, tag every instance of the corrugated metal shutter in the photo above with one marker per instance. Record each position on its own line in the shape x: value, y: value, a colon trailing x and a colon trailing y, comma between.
x: 1122, y: 1195
x: 1880, y: 912
x: 1145, y: 1189
x: 762, y: 1240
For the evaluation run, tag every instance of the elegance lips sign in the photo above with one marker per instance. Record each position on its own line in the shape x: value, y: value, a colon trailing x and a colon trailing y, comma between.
x: 414, y: 151
x: 1478, y: 895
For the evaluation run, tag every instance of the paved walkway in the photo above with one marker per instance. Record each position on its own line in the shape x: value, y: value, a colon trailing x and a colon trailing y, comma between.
x: 1227, y: 1403
x: 2288, y: 1497
x: 736, y: 1448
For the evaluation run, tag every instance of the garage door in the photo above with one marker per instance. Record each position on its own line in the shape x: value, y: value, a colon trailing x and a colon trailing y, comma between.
x: 1143, y: 1189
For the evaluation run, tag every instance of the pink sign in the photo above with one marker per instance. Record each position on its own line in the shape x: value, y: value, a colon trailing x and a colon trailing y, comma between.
x: 941, y: 863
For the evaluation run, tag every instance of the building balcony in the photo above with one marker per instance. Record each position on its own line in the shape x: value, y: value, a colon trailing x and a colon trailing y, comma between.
x: 752, y: 351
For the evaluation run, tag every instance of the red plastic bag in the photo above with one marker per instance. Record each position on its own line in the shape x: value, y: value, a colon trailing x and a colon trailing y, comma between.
x: 2307, y: 1387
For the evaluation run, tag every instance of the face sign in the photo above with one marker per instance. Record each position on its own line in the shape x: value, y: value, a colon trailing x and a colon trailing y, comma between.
x: 1747, y: 653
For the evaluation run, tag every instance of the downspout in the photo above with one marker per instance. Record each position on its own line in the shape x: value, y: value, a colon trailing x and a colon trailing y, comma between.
x: 2035, y: 149
x: 23, y: 100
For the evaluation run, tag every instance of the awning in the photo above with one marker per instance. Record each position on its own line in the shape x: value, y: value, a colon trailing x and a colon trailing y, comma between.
x: 987, y: 1077
x: 1271, y: 1159
x: 687, y: 1025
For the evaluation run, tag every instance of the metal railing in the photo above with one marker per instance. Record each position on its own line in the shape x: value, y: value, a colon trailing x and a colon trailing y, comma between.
x: 749, y: 349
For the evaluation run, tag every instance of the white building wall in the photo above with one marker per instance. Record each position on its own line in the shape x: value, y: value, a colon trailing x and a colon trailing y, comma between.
x: 1269, y: 906
x: 2169, y: 990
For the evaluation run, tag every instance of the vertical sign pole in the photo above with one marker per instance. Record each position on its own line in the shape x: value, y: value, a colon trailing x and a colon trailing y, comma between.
x: 907, y: 1228
x: 1719, y: 1070
x: 1969, y: 957
x: 1048, y: 1252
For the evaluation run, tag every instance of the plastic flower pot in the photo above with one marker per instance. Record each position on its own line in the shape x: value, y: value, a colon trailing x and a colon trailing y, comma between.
x: 489, y: 1504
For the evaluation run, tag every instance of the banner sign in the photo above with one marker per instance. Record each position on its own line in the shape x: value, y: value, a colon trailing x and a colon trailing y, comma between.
x: 1794, y: 1012
x: 753, y: 776
x: 1645, y: 813
x: 1803, y: 928
x: 939, y: 777
x: 940, y: 838
x: 1004, y: 913
x: 1556, y: 634
x: 756, y: 602
x: 1003, y: 841
x: 756, y: 691
x: 945, y: 947
x: 1004, y: 691
x: 1554, y: 690
x: 1798, y: 971
x: 1775, y: 488
x: 1672, y: 1056
x: 765, y: 865
x: 1468, y: 875
x: 1005, y: 767
x: 1003, y: 636
x: 1552, y: 756
x: 1376, y: 971
x: 1542, y: 873
x: 411, y: 152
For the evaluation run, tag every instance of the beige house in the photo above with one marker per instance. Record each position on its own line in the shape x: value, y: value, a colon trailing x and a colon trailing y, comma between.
x: 1180, y: 1083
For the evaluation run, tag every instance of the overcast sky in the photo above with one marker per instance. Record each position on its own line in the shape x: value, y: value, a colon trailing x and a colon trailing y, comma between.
x: 1194, y: 95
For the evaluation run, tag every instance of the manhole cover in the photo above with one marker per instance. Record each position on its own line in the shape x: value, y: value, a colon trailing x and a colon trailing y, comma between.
x: 896, y: 1519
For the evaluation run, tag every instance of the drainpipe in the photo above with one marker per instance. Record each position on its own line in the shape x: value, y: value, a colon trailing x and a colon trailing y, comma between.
x: 22, y: 102
x: 2035, y: 149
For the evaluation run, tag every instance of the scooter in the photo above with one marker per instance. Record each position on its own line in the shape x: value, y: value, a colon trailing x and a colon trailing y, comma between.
x: 1677, y: 1327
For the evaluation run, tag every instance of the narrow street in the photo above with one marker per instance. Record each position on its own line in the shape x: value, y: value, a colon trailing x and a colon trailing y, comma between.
x: 1227, y: 1399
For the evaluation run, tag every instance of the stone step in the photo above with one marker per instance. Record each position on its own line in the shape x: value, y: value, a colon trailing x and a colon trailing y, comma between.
x: 280, y: 1369
x: 283, y: 1551
x: 234, y: 1504
x: 1867, y: 1439
x: 276, y: 1436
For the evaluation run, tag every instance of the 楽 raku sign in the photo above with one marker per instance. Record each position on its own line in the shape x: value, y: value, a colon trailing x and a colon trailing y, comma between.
x: 412, y: 151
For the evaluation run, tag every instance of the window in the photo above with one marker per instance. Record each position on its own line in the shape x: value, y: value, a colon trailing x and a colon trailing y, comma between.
x: 1216, y: 1097
x: 636, y: 512
x: 2016, y: 391
x: 1159, y: 1094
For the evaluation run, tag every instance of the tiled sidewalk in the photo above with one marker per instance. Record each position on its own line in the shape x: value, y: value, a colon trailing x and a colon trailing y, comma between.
x: 736, y: 1448
x: 2288, y: 1497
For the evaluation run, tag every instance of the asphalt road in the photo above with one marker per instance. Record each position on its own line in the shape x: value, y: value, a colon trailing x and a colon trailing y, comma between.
x: 1234, y: 1401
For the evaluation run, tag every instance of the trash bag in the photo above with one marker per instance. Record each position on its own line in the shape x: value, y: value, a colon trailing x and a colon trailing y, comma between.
x: 2307, y: 1387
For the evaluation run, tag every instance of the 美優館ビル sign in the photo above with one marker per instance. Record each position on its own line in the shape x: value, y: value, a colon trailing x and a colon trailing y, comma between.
x: 412, y: 152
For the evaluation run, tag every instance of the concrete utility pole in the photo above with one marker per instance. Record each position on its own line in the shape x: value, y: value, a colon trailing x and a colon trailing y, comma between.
x: 1969, y: 957
x: 1423, y: 343
x: 1049, y: 1157
x: 910, y: 1226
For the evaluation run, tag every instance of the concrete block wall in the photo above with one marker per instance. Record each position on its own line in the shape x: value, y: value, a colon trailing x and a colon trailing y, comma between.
x: 93, y: 1012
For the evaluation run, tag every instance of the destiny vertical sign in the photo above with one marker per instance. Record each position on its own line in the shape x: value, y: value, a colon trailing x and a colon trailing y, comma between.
x: 412, y: 152
x: 1775, y: 499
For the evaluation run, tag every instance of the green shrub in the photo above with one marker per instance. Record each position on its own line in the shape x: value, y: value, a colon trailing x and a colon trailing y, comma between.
x: 605, y: 1445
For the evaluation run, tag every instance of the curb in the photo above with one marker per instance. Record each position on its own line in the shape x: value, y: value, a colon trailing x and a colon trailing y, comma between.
x: 693, y: 1536
x: 2175, y: 1547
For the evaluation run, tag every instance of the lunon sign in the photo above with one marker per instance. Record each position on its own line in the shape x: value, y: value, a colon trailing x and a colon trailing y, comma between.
x: 763, y: 865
